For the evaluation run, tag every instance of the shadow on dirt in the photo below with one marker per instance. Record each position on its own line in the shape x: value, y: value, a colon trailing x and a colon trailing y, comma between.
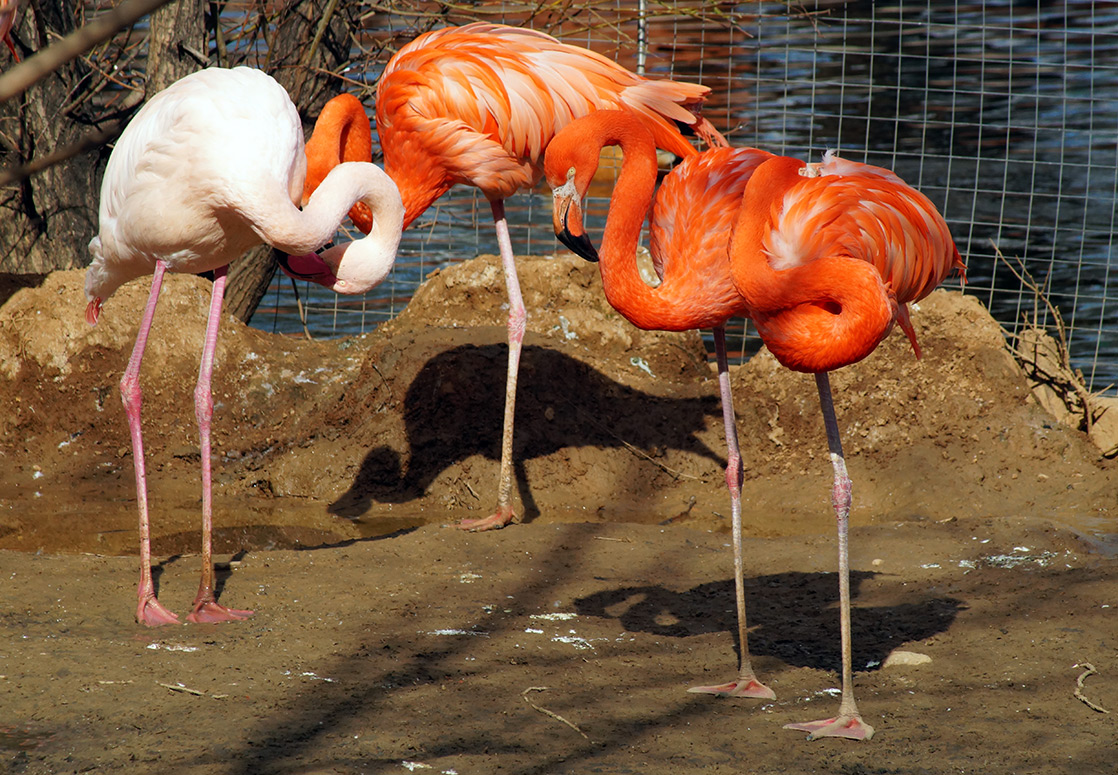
x: 453, y: 410
x: 792, y: 616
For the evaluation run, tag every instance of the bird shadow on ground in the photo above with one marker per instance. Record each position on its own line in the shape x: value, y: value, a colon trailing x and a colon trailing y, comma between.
x: 454, y: 407
x: 792, y: 616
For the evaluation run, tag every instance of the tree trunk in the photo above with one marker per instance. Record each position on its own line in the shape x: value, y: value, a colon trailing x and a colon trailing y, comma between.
x: 249, y: 278
x: 47, y: 220
x: 176, y: 43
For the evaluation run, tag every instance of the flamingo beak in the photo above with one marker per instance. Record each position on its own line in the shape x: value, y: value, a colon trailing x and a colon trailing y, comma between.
x: 309, y: 267
x: 567, y: 218
x: 580, y: 245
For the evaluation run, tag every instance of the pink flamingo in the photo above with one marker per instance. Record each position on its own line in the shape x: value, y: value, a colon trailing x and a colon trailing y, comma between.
x: 208, y: 168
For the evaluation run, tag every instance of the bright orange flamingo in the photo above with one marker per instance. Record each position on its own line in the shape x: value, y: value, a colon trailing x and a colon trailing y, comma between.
x: 690, y: 226
x: 477, y: 105
x: 826, y: 257
x: 185, y: 192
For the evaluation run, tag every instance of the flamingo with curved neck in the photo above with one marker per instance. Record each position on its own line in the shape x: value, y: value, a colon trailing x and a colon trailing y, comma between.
x: 210, y: 167
x: 826, y: 256
x: 690, y: 225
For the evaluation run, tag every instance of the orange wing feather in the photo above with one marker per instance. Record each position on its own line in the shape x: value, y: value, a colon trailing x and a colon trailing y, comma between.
x: 824, y: 220
x: 478, y: 104
x: 693, y: 216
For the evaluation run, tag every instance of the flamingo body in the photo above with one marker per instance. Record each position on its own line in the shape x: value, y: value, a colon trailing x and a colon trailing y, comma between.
x: 834, y: 238
x: 477, y: 105
x: 826, y: 257
x: 209, y: 167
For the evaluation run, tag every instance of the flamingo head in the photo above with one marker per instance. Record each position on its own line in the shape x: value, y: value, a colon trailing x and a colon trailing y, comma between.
x: 566, y: 215
x: 93, y: 311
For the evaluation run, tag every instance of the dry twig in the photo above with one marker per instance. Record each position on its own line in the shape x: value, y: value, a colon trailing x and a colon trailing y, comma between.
x: 188, y: 690
x: 546, y: 712
x: 1088, y: 669
x: 583, y: 415
x: 1044, y: 367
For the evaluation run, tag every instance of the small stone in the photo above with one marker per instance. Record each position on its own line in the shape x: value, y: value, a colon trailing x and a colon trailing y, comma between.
x: 899, y: 657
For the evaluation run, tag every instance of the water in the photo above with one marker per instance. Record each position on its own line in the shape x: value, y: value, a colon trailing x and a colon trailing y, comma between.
x: 1004, y: 114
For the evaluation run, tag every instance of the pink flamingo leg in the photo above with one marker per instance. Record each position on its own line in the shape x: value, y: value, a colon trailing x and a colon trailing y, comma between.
x: 746, y: 684
x: 848, y: 723
x: 206, y: 608
x: 518, y: 319
x: 149, y: 611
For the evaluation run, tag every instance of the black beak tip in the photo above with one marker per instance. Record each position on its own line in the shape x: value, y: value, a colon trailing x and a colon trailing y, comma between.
x: 580, y: 245
x: 282, y: 260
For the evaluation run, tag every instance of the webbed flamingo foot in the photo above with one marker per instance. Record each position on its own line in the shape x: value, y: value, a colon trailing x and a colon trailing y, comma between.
x: 850, y: 727
x: 210, y: 612
x: 151, y: 612
x: 744, y: 686
x: 502, y: 517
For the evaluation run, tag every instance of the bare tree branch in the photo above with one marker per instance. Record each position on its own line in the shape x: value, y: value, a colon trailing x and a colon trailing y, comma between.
x: 17, y: 79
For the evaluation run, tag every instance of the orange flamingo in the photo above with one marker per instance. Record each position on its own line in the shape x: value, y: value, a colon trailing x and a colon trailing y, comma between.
x: 826, y: 257
x: 690, y: 225
x: 477, y: 105
x: 210, y: 167
x: 7, y: 19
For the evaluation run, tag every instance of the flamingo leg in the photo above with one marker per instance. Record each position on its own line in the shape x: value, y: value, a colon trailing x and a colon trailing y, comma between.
x: 518, y: 319
x: 848, y: 723
x: 149, y: 610
x: 746, y: 684
x: 206, y: 608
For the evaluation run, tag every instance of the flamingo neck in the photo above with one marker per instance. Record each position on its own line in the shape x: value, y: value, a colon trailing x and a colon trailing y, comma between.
x: 829, y: 311
x: 419, y: 177
x: 625, y: 290
x: 632, y: 195
x: 354, y: 267
x: 417, y: 196
x: 342, y: 133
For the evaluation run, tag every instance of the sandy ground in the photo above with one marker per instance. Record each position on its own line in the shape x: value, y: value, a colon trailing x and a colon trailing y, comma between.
x: 384, y: 641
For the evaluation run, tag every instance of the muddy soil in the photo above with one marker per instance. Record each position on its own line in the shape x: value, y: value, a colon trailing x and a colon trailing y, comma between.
x: 386, y: 641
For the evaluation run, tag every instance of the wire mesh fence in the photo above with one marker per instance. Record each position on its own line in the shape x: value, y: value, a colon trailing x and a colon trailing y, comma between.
x: 1005, y: 114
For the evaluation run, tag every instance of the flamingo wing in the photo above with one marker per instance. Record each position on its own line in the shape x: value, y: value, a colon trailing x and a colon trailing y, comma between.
x: 693, y: 217
x: 478, y: 104
x: 844, y: 208
x: 869, y: 213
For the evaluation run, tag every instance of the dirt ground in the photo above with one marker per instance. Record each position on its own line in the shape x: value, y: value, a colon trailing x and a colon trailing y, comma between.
x: 385, y: 641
